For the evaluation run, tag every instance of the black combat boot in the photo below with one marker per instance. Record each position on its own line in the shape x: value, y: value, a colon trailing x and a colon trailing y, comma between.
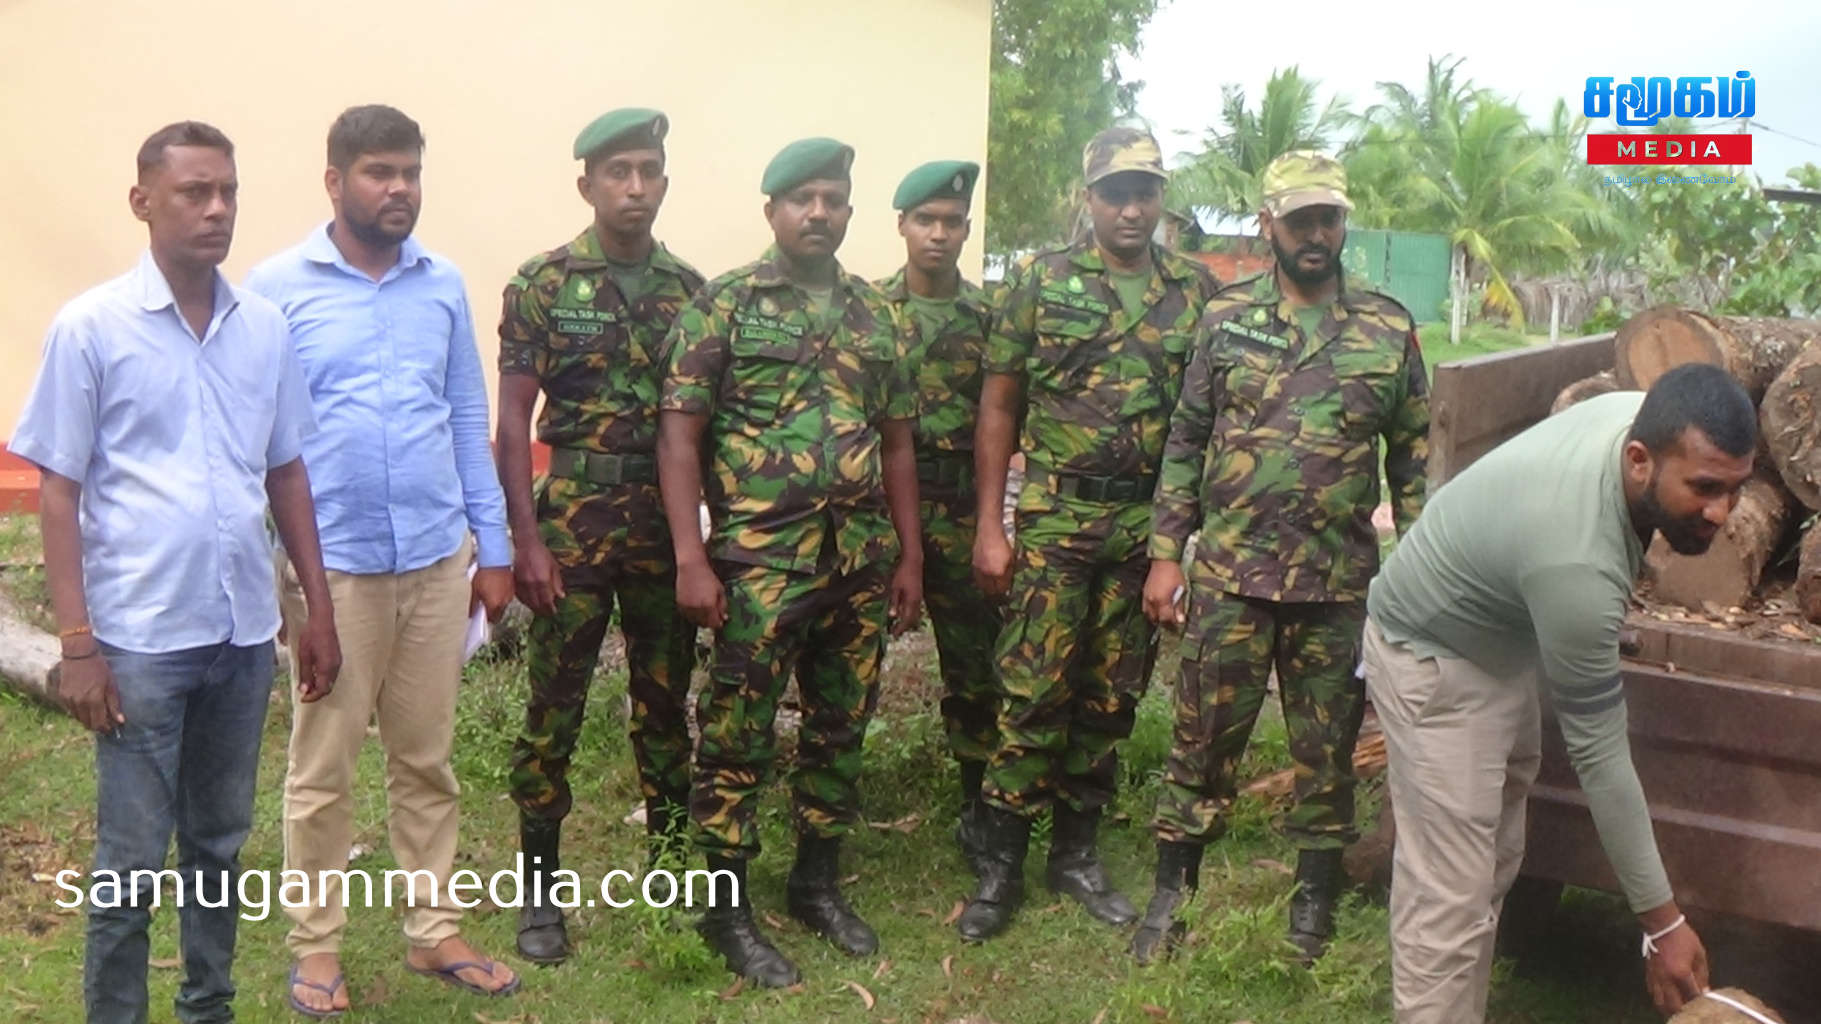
x: 1075, y: 869
x: 730, y: 930
x: 1006, y: 838
x: 542, y: 938
x: 1178, y: 875
x: 968, y: 829
x: 813, y: 896
x: 1312, y: 907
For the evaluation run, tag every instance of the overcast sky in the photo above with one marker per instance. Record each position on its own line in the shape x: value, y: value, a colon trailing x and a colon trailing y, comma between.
x: 1535, y: 52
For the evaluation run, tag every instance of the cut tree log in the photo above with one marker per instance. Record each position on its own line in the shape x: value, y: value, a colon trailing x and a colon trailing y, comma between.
x: 28, y: 657
x: 1728, y: 572
x: 1808, y: 576
x: 1754, y: 349
x: 1790, y: 420
x: 1604, y: 382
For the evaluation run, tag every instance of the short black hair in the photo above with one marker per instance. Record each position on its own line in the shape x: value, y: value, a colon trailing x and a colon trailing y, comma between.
x: 1702, y: 396
x: 372, y: 128
x: 180, y: 133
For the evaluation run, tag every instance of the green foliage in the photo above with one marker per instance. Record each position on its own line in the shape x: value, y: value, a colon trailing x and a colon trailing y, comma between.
x: 1459, y: 160
x: 1225, y: 175
x: 1054, y: 84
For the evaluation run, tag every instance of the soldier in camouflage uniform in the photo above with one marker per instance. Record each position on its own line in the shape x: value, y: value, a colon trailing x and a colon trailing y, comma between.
x: 584, y: 324
x: 1273, y: 456
x: 785, y: 385
x: 1096, y: 335
x: 949, y: 318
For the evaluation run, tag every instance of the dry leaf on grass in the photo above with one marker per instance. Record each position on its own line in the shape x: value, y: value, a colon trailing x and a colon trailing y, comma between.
x: 773, y: 920
x: 955, y: 914
x: 1274, y: 865
x: 1101, y: 1017
x: 948, y: 966
x: 906, y: 824
x: 738, y: 986
x: 879, y: 971
x: 865, y: 996
x: 1154, y: 1011
x: 164, y: 964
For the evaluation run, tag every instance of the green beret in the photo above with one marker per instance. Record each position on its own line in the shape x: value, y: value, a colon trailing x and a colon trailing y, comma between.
x: 625, y: 128
x: 806, y: 160
x: 938, y: 179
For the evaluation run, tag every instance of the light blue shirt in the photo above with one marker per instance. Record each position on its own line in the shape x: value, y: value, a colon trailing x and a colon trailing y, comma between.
x: 401, y: 469
x: 171, y: 437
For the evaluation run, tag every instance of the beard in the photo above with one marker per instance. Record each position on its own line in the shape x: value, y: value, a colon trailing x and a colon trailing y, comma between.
x: 1286, y: 261
x: 371, y: 232
x: 1686, y: 536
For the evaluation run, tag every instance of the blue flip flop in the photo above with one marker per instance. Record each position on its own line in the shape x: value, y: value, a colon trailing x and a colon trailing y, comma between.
x: 451, y: 975
x: 328, y: 990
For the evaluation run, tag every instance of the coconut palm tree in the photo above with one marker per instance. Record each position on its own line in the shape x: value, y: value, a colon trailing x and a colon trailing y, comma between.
x: 1457, y: 160
x: 1224, y: 176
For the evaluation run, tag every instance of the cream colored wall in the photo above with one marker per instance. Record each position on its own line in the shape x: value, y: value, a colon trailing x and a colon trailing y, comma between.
x: 500, y: 89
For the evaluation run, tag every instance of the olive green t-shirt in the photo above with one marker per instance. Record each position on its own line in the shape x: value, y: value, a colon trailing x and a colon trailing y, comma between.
x: 1131, y: 286
x: 931, y: 314
x: 630, y: 278
x: 1309, y: 318
x: 1528, y: 557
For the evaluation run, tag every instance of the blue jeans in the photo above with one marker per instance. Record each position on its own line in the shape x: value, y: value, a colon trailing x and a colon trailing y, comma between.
x: 185, y: 760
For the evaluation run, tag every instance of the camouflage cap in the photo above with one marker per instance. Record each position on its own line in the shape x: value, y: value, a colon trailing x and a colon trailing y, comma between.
x: 805, y: 160
x: 625, y: 128
x: 1303, y: 177
x: 1121, y: 149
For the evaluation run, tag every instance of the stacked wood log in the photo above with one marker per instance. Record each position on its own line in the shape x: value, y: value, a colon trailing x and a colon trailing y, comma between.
x: 1778, y: 362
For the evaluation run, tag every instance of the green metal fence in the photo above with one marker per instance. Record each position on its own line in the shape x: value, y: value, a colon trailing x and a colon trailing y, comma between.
x: 1410, y: 267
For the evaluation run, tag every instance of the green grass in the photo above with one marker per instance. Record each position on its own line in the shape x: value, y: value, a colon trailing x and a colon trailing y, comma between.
x: 22, y: 568
x: 1054, y: 965
x: 1477, y: 339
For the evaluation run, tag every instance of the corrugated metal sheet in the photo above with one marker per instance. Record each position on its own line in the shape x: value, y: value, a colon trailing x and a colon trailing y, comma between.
x: 1406, y: 265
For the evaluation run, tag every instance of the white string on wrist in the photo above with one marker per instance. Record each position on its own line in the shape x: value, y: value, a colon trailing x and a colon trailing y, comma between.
x: 1650, y: 938
x: 1741, y: 1007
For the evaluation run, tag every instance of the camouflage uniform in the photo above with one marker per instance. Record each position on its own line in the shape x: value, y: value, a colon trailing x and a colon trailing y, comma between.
x: 596, y: 356
x: 1273, y: 455
x: 1077, y: 650
x: 801, y: 537
x: 948, y: 374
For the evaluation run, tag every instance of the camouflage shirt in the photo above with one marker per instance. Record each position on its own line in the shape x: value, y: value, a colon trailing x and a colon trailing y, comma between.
x: 793, y: 443
x: 1273, y: 450
x: 1099, y: 381
x: 945, y: 365
x: 566, y: 323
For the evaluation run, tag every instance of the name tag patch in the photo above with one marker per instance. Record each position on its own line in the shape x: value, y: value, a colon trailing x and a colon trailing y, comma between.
x: 1086, y: 304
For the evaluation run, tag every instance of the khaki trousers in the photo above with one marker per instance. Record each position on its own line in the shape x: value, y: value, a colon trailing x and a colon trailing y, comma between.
x: 1463, y: 748
x: 401, y: 647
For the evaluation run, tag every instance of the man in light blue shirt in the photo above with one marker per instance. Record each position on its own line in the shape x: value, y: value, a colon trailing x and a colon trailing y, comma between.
x: 169, y: 409
x: 403, y: 475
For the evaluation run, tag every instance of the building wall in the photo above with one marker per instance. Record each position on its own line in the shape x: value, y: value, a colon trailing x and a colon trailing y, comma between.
x: 500, y: 89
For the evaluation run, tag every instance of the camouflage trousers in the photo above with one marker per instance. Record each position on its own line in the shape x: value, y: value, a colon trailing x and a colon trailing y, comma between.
x: 965, y: 623
x: 1229, y: 649
x: 828, y: 628
x: 600, y: 563
x: 1074, y: 656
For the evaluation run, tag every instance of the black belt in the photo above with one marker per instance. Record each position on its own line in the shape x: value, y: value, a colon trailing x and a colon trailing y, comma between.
x: 947, y: 469
x: 602, y: 467
x: 1095, y: 488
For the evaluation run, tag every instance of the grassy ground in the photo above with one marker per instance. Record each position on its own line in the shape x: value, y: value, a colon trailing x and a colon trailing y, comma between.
x: 1055, y: 965
x: 1476, y: 340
